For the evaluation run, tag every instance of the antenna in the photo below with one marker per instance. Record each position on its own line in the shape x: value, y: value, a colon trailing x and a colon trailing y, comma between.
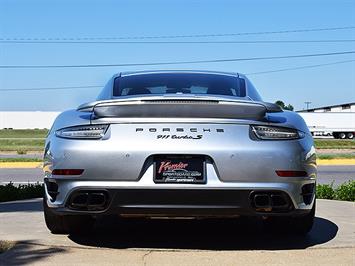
x: 307, y: 105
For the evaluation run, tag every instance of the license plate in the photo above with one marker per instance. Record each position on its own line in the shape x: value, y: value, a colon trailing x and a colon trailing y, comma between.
x: 179, y: 169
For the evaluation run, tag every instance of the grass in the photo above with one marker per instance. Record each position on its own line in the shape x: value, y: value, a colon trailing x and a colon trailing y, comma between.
x: 336, y: 156
x: 334, y: 144
x: 12, y: 160
x: 22, y: 140
x: 6, y: 245
x: 23, y: 133
x: 21, y: 145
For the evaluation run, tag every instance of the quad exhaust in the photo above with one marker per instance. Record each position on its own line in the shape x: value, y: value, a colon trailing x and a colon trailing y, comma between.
x: 270, y: 201
x: 89, y: 200
x: 262, y: 201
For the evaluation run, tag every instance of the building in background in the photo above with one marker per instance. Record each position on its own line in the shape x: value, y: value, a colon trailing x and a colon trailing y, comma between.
x: 346, y: 107
x: 27, y: 120
x: 333, y: 120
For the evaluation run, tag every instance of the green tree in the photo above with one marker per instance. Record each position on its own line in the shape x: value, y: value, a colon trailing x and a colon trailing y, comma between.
x: 284, y: 106
x: 289, y: 107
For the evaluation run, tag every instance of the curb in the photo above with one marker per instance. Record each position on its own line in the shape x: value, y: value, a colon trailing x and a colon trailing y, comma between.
x: 40, y: 165
x: 21, y: 165
x: 335, y: 161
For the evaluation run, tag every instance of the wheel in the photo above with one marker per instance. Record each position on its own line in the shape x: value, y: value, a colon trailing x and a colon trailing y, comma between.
x: 350, y: 135
x: 335, y: 135
x: 66, y: 224
x: 342, y: 135
x: 291, y: 225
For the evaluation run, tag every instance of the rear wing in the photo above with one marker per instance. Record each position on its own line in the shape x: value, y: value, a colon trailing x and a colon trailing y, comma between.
x: 180, y: 108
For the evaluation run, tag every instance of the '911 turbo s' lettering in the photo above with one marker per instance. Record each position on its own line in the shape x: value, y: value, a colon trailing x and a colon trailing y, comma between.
x: 179, y: 137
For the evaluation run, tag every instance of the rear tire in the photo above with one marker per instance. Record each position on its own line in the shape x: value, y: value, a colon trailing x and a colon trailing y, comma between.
x: 66, y: 224
x: 291, y: 225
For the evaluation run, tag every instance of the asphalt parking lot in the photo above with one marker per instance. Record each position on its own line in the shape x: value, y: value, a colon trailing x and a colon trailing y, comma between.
x: 178, y: 242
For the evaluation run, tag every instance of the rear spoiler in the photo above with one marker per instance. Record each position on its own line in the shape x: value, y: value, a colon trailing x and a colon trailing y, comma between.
x: 180, y: 108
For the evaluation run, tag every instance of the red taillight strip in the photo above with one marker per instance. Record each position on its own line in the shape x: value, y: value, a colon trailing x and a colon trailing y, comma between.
x: 67, y: 171
x: 291, y: 173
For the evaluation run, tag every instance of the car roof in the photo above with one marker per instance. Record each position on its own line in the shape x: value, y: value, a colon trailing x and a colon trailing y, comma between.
x: 131, y: 73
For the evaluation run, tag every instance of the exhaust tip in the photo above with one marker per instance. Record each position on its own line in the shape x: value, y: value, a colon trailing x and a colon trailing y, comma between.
x: 270, y: 201
x: 279, y: 201
x: 89, y: 200
x: 262, y: 201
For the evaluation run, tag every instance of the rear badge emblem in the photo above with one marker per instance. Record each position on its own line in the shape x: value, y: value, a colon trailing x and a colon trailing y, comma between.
x: 179, y: 130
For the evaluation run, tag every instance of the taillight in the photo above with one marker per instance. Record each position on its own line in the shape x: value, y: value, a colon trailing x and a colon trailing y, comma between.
x: 276, y: 133
x: 82, y: 132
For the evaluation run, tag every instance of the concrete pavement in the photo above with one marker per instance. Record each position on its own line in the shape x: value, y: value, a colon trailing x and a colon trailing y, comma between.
x: 26, y: 254
x: 157, y: 242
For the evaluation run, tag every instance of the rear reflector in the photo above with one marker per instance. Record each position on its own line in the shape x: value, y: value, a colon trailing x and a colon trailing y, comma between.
x: 67, y: 171
x: 291, y: 173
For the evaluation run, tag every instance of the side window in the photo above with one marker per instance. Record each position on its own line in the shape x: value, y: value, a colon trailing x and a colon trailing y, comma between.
x: 251, y: 91
x: 116, y: 87
x: 106, y: 92
x: 242, y: 88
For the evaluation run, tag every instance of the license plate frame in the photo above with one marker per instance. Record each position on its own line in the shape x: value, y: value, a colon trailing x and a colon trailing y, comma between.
x: 179, y: 169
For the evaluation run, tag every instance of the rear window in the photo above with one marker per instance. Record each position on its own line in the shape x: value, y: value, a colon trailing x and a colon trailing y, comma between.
x: 179, y: 83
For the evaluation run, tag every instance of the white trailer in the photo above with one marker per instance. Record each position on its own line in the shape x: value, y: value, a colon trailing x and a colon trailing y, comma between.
x: 339, y: 125
x: 27, y: 120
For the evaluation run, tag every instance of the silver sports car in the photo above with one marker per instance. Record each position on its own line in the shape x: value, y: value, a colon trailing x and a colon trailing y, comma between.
x: 179, y: 144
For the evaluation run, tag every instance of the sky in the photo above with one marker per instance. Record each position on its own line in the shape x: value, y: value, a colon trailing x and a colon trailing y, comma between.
x: 124, y: 20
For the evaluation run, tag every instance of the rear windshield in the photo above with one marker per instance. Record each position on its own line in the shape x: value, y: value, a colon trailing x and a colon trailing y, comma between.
x: 179, y: 83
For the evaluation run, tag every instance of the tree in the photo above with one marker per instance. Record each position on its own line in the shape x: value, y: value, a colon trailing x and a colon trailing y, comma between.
x: 284, y: 106
x: 289, y: 107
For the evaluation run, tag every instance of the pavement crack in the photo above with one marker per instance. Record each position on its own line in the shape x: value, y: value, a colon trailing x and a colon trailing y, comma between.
x: 144, y: 257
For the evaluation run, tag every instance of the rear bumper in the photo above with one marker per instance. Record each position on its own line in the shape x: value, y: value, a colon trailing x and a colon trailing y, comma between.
x: 178, y: 203
x: 215, y: 198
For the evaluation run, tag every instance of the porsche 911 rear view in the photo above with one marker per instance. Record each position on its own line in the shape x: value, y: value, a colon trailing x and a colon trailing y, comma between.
x: 191, y: 144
